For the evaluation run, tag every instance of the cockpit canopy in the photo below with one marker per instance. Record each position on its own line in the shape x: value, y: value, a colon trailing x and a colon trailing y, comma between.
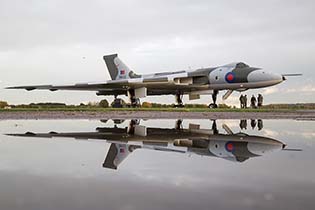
x: 238, y: 65
x: 241, y: 65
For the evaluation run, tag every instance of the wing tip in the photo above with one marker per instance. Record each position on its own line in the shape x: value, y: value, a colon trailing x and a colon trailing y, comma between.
x: 20, y: 87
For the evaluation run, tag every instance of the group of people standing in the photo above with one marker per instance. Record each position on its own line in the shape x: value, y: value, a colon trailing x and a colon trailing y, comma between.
x: 254, y: 103
x: 253, y: 123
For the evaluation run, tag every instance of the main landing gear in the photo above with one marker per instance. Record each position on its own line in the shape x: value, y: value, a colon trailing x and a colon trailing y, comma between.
x: 179, y: 100
x: 117, y: 103
x: 134, y: 102
x: 214, y: 98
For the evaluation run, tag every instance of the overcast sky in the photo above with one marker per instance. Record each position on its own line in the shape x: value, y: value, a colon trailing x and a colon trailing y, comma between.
x: 56, y: 42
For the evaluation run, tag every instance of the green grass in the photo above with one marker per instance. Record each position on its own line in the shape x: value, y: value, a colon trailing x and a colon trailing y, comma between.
x: 97, y: 109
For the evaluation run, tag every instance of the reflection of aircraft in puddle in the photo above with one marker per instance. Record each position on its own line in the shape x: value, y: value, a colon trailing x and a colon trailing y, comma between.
x: 205, y: 142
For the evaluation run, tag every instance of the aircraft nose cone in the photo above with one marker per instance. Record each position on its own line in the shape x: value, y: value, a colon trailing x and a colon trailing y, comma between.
x: 264, y: 148
x: 263, y: 76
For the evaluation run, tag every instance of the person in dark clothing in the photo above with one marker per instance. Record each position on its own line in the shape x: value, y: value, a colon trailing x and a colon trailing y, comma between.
x: 242, y: 101
x: 243, y: 124
x: 245, y: 101
x: 260, y: 124
x: 253, y: 101
x: 253, y: 123
x: 260, y: 100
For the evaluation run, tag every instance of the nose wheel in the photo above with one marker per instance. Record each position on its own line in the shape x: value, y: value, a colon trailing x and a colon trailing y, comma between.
x: 214, y: 99
x: 212, y: 106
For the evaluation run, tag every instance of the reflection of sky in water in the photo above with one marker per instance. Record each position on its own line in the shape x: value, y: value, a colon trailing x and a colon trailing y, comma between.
x: 64, y: 173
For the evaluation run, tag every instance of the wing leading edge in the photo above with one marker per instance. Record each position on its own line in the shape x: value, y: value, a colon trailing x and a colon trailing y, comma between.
x: 154, y: 86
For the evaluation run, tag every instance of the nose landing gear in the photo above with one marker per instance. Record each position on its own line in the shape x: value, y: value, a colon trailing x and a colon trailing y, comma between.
x: 214, y: 98
x: 179, y: 100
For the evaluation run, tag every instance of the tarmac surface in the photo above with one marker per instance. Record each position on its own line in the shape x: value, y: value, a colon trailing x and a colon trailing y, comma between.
x: 297, y: 115
x: 156, y: 164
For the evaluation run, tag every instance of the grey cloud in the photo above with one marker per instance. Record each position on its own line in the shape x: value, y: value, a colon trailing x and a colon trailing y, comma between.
x: 98, y: 22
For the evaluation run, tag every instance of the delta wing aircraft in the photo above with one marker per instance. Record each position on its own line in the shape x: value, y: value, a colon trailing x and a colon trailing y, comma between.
x: 236, y: 147
x: 204, y: 81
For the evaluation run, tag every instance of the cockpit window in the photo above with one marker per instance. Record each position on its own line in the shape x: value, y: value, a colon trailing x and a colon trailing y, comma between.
x: 241, y: 65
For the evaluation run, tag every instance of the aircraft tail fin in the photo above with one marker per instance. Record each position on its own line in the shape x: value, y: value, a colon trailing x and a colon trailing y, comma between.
x: 117, y: 69
x: 116, y: 154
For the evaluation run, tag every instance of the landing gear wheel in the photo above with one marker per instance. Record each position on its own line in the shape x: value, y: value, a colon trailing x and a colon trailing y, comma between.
x: 214, y: 98
x: 213, y: 106
x: 136, y: 103
x: 179, y: 105
x: 117, y: 103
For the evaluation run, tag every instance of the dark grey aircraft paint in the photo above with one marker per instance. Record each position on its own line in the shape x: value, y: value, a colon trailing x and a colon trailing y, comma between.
x: 241, y: 74
x: 112, y: 69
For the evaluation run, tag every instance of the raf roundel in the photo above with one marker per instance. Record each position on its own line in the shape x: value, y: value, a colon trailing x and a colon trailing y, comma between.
x: 229, y: 146
x: 230, y: 77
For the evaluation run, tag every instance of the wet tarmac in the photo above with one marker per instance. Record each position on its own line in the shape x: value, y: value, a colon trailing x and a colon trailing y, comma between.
x: 157, y: 164
x: 178, y: 114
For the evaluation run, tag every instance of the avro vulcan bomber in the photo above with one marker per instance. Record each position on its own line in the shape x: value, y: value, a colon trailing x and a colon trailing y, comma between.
x: 205, y: 81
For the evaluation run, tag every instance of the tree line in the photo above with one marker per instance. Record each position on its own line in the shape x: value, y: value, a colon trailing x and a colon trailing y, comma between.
x: 105, y: 104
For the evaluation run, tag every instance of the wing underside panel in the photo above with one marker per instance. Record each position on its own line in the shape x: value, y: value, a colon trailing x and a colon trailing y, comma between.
x: 121, y: 87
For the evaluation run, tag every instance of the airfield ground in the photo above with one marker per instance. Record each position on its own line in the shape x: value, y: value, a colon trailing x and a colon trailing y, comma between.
x: 157, y: 114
